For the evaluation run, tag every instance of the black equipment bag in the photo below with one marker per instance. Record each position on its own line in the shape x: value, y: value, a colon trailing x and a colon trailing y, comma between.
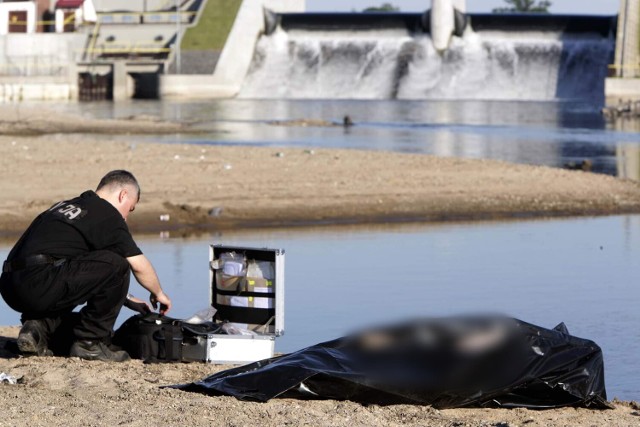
x: 151, y: 337
x: 155, y: 338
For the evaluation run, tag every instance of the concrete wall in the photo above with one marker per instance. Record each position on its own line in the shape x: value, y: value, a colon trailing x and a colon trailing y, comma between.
x: 235, y: 58
x: 39, y: 54
x: 627, y: 45
x: 37, y: 88
x: 39, y: 66
x: 237, y: 54
x: 625, y: 86
x: 194, y: 86
x: 620, y: 89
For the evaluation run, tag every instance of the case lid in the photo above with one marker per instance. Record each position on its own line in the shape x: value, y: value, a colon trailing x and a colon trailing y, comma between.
x: 246, y: 288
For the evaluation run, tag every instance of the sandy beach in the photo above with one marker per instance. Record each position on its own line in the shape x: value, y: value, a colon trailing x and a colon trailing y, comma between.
x: 73, y: 392
x: 46, y: 156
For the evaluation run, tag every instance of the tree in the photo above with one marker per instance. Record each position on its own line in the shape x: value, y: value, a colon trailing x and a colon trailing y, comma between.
x: 525, y: 6
x: 386, y: 7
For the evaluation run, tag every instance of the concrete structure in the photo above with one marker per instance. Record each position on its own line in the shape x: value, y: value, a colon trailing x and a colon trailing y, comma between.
x: 49, y: 66
x: 619, y: 90
x: 28, y: 16
x: 624, y: 85
x: 37, y: 88
x: 235, y: 58
x: 627, y: 43
x: 39, y: 54
x: 39, y: 65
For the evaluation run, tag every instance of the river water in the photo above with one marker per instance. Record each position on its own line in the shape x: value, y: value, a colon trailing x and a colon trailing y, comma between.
x: 580, y: 271
x: 541, y: 133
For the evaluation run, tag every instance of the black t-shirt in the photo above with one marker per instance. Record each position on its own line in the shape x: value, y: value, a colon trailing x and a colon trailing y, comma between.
x: 75, y: 227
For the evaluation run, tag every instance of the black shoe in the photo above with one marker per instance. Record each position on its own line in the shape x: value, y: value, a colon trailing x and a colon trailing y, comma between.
x: 32, y: 339
x: 97, y: 350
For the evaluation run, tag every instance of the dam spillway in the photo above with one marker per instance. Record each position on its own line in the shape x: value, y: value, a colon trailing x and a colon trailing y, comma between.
x: 390, y: 56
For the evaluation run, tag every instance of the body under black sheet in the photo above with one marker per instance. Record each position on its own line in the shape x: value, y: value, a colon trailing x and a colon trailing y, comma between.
x: 451, y: 362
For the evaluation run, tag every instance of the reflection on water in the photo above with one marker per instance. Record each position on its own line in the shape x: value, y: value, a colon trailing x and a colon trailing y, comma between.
x: 628, y: 162
x: 627, y: 155
x: 579, y: 271
x: 540, y: 133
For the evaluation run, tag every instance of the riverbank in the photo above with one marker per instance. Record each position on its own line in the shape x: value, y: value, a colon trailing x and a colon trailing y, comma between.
x: 187, y: 187
x: 20, y: 120
x: 218, y: 187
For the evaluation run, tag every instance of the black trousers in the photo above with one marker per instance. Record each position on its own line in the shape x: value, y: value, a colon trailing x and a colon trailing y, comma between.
x: 100, y: 279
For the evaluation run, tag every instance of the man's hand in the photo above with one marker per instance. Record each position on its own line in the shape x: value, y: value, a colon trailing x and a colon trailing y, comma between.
x: 146, y: 275
x: 163, y: 299
x: 136, y: 304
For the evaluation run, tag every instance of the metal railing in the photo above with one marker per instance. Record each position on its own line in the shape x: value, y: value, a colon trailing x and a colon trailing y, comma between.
x: 171, y: 17
x: 34, y: 66
x: 131, y: 47
x: 94, y: 37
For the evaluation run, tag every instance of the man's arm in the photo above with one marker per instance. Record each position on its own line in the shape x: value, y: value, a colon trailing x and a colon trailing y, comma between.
x: 146, y: 275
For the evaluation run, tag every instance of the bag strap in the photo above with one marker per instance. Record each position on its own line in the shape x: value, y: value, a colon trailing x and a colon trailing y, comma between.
x: 168, y: 343
x: 202, y: 329
x: 170, y: 334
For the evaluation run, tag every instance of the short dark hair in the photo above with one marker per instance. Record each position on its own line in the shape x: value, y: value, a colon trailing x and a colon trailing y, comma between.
x: 119, y: 178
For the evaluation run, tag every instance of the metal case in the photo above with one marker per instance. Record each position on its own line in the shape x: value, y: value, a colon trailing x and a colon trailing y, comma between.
x: 224, y: 349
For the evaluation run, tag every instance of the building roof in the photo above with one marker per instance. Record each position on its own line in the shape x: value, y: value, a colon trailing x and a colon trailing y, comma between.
x: 69, y: 4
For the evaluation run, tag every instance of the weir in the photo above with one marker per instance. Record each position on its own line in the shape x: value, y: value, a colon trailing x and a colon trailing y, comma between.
x: 391, y: 56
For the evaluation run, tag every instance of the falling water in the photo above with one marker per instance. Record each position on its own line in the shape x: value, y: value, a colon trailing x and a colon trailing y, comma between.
x: 393, y: 64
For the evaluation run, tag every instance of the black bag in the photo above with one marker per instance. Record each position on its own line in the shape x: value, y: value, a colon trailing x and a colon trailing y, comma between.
x: 156, y: 338
x: 151, y: 337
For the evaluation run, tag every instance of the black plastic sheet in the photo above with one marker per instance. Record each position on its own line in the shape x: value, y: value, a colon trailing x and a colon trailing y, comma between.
x: 477, y: 361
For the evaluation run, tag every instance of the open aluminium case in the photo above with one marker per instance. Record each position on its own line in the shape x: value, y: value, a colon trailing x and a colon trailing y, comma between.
x: 247, y: 290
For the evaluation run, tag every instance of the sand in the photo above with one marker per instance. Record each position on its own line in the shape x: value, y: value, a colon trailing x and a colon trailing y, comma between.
x: 47, y: 156
x: 213, y: 187
x: 74, y: 392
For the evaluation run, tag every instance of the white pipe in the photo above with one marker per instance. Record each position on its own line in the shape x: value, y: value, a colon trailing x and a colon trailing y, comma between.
x: 442, y: 23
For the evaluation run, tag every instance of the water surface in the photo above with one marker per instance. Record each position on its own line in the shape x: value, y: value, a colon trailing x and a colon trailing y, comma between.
x: 552, y: 133
x: 583, y: 272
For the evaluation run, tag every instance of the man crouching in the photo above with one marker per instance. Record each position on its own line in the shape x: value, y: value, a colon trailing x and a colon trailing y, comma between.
x: 79, y: 251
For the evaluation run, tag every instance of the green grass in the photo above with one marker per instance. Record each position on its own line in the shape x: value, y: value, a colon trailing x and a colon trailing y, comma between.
x: 214, y: 26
